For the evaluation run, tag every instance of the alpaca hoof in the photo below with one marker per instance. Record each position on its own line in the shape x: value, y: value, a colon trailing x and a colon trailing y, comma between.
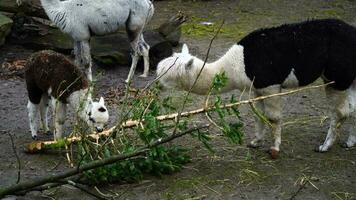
x: 345, y: 145
x: 143, y: 75
x: 320, y: 149
x: 274, y: 153
x: 253, y: 146
x: 34, y: 137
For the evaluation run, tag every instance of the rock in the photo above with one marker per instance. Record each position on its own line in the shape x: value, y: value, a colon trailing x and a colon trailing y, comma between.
x: 29, y: 7
x: 5, y: 28
x: 9, y: 197
x: 115, y: 49
x: 53, y: 39
x: 111, y: 50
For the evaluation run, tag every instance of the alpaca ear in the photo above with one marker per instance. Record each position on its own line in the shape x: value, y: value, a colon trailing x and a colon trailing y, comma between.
x: 101, y: 101
x: 185, y: 49
x: 189, y: 64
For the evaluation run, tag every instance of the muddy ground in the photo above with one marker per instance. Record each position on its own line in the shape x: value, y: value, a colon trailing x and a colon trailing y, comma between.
x: 233, y: 172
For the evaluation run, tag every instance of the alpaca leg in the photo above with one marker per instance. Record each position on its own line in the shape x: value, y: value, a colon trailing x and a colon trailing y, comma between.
x: 33, y: 118
x: 273, y: 111
x: 144, y: 51
x: 259, y: 126
x: 86, y: 56
x: 83, y: 57
x: 44, y: 113
x: 77, y: 53
x: 351, y: 140
x: 135, y: 58
x: 60, y: 114
x: 134, y: 39
x: 339, y: 112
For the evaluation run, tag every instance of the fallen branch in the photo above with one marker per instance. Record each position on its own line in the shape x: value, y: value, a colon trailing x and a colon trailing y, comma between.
x: 92, y: 165
x: 41, y: 145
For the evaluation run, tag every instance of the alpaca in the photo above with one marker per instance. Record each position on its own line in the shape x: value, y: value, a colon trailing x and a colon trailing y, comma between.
x: 83, y: 19
x: 287, y: 56
x: 51, y: 76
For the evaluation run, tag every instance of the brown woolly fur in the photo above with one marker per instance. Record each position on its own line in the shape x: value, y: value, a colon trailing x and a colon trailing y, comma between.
x: 50, y: 70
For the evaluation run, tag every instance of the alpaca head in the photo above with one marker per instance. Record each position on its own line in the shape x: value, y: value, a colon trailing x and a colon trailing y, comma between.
x: 97, y: 114
x: 177, y: 71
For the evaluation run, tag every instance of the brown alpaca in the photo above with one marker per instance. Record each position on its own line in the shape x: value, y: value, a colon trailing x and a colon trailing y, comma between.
x: 51, y: 76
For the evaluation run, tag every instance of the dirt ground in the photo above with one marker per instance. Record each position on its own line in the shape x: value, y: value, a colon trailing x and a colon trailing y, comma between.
x: 233, y: 172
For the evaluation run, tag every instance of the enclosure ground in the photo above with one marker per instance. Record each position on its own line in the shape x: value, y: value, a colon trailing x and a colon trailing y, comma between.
x: 233, y: 172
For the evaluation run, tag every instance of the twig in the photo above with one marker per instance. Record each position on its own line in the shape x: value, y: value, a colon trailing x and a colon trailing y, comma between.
x: 302, y: 186
x: 17, y: 158
x: 196, y: 80
x: 91, y: 165
x: 101, y: 193
x: 160, y: 76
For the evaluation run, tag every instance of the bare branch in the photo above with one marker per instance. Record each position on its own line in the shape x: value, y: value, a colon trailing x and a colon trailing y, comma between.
x: 17, y: 158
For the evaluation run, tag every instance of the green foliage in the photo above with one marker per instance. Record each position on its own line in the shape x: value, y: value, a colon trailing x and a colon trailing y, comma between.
x: 162, y: 159
x: 159, y: 160
x: 232, y: 130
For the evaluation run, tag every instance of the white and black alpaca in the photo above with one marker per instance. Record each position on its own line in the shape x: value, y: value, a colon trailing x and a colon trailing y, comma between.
x: 51, y: 76
x: 82, y: 19
x: 270, y: 59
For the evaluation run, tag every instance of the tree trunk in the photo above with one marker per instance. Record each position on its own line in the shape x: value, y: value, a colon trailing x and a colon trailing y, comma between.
x: 88, y: 166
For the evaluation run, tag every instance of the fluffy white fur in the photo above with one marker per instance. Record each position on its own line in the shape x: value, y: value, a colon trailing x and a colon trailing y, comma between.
x: 95, y: 114
x: 181, y: 69
x: 80, y: 19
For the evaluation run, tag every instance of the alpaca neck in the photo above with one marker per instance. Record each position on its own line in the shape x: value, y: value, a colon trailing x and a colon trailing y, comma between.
x: 232, y: 63
x: 79, y: 101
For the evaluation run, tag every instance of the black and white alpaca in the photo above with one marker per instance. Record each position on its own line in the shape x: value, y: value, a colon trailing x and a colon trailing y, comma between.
x: 51, y: 76
x: 270, y: 59
x: 82, y: 19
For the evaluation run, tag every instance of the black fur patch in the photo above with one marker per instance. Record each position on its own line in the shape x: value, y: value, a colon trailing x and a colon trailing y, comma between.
x: 101, y: 109
x: 313, y: 48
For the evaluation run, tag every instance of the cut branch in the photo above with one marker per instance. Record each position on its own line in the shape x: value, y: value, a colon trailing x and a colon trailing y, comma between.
x: 92, y: 165
x: 41, y: 145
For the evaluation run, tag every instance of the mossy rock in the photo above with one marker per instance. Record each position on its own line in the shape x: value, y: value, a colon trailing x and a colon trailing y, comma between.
x: 111, y: 58
x: 5, y: 28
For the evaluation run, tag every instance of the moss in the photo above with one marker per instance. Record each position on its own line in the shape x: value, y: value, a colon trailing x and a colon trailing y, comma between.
x: 111, y: 58
x: 249, y: 17
x: 59, y: 144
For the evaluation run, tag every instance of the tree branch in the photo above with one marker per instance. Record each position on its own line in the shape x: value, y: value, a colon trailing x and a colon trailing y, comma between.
x: 88, y: 166
x: 41, y: 145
